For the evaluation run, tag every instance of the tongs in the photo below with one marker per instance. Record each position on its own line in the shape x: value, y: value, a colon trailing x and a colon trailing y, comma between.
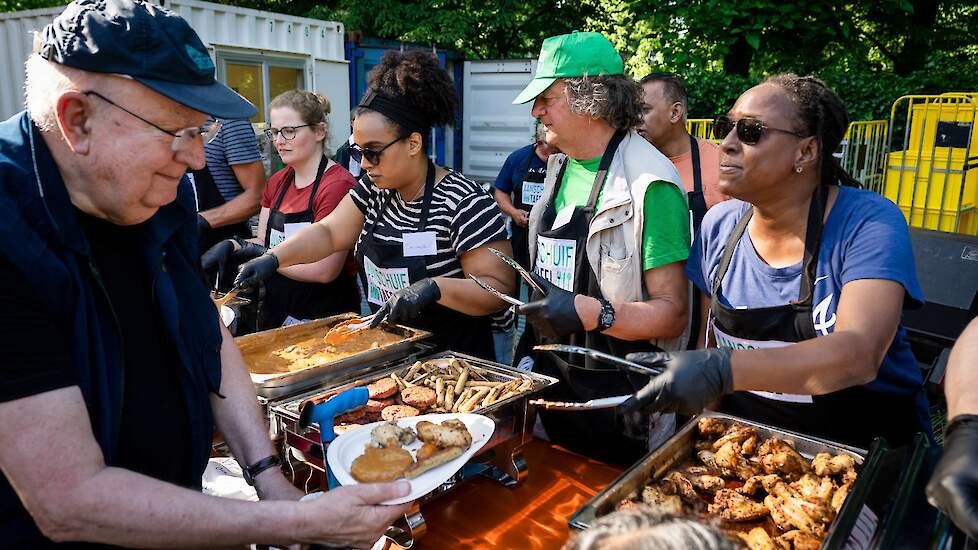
x: 602, y: 358
x: 223, y: 300
x: 492, y: 290
x: 345, y: 330
x: 519, y: 269
x: 593, y: 404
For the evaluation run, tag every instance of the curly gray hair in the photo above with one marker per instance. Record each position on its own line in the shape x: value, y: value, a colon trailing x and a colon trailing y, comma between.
x: 616, y: 99
x: 644, y: 528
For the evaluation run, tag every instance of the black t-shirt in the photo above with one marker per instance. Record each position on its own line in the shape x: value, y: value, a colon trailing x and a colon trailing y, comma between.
x: 35, y: 356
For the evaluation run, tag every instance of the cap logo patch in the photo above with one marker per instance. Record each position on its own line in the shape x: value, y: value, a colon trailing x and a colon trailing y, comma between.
x: 200, y: 59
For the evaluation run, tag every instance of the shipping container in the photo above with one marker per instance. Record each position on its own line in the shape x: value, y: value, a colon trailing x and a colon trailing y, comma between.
x: 492, y: 127
x: 259, y: 54
x: 363, y: 53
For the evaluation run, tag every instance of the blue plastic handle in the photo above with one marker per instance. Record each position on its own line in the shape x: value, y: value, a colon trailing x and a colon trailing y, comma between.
x: 323, y: 413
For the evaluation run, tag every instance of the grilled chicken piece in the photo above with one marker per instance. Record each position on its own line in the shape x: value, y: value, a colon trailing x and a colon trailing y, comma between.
x: 708, y: 458
x: 676, y: 483
x: 708, y: 483
x: 849, y: 475
x: 732, y: 463
x: 767, y: 482
x: 711, y: 428
x: 737, y: 433
x: 825, y: 464
x: 811, y: 486
x: 666, y: 504
x: 749, y: 446
x: 799, y: 540
x: 779, y: 456
x: 794, y: 511
x: 733, y: 506
x: 839, y: 497
x: 758, y: 539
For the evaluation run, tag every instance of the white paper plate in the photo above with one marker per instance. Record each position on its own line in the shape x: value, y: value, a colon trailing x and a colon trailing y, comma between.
x: 345, y: 448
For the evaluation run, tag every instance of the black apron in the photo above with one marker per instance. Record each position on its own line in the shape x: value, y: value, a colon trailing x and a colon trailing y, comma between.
x: 601, y: 434
x: 385, y: 269
x: 524, y: 197
x: 854, y: 415
x: 697, y: 208
x: 208, y: 197
x: 284, y: 297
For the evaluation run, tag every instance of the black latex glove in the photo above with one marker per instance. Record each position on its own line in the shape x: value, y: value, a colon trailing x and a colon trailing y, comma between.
x: 202, y: 225
x: 257, y: 270
x: 406, y: 304
x: 954, y: 486
x: 217, y: 255
x: 246, y: 250
x: 691, y: 381
x: 552, y: 313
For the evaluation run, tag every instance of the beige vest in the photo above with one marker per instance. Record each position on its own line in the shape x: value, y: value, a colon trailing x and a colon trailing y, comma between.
x: 614, y: 240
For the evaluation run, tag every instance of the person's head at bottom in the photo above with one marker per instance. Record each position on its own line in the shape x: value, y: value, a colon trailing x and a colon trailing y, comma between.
x: 644, y: 528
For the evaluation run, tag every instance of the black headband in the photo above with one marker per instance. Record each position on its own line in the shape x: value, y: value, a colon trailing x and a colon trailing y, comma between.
x: 398, y: 110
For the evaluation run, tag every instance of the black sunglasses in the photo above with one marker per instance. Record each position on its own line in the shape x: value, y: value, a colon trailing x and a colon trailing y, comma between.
x: 358, y: 153
x: 749, y: 130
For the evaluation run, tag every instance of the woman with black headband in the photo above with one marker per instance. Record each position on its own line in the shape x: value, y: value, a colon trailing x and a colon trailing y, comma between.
x: 805, y: 277
x: 418, y: 230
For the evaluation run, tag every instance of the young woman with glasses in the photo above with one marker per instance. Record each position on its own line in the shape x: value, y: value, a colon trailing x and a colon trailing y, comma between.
x: 304, y: 192
x: 417, y: 230
x: 804, y: 278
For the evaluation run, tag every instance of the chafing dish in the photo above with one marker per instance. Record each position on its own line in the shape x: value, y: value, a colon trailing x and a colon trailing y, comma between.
x: 257, y: 349
x: 679, y: 448
x: 502, y: 455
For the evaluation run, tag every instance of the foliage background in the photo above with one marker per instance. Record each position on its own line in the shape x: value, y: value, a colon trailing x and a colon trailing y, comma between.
x: 869, y: 51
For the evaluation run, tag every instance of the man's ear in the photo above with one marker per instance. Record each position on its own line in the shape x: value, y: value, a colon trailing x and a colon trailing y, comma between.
x: 74, y: 112
x: 676, y: 113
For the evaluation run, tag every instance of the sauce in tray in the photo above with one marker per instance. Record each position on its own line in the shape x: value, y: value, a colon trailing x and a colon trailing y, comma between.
x: 313, y: 352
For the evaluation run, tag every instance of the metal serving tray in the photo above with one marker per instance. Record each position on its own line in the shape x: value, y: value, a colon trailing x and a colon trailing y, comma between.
x: 679, y: 447
x: 513, y: 417
x: 271, y: 386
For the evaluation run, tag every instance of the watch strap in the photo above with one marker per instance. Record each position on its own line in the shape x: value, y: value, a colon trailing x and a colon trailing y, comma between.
x: 252, y: 471
x: 606, y: 317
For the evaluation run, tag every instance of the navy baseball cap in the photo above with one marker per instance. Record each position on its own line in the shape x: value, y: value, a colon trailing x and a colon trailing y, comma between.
x: 154, y: 46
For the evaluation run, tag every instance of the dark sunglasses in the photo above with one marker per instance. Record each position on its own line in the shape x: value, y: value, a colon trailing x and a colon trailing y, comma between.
x: 358, y: 153
x: 749, y: 130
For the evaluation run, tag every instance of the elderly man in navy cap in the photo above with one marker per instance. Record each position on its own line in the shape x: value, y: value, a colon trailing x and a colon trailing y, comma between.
x: 114, y: 369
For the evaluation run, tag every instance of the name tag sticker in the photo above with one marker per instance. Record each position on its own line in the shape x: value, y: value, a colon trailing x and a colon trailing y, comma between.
x: 420, y: 244
x: 531, y: 192
x: 563, y: 217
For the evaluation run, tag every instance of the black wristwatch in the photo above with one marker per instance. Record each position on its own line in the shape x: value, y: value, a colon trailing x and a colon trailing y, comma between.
x: 251, y: 472
x: 606, y: 317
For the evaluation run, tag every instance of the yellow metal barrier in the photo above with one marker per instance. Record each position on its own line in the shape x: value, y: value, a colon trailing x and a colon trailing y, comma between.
x: 862, y: 152
x: 701, y: 128
x: 932, y: 167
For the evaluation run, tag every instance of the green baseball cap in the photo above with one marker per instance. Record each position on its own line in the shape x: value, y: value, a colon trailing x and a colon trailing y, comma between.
x: 572, y: 55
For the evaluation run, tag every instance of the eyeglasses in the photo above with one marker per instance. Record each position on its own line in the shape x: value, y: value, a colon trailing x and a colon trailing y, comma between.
x: 749, y: 130
x: 288, y: 132
x: 182, y: 137
x: 358, y: 153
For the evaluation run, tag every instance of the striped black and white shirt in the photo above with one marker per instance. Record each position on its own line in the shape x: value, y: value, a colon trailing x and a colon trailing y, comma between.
x: 462, y: 215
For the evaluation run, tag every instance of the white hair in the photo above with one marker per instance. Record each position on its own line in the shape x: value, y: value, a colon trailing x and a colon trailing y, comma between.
x: 44, y: 83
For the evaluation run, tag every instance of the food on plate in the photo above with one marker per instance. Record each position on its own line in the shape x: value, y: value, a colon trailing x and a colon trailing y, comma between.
x: 380, y: 389
x: 439, y: 457
x: 451, y: 433
x: 338, y: 430
x: 761, y: 491
x: 376, y: 464
x: 389, y: 434
x: 394, y: 412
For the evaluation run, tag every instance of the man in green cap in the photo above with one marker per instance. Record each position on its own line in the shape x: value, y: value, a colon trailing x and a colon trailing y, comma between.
x: 608, y: 240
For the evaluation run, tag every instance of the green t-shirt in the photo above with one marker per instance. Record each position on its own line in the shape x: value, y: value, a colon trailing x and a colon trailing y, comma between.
x: 665, y: 235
